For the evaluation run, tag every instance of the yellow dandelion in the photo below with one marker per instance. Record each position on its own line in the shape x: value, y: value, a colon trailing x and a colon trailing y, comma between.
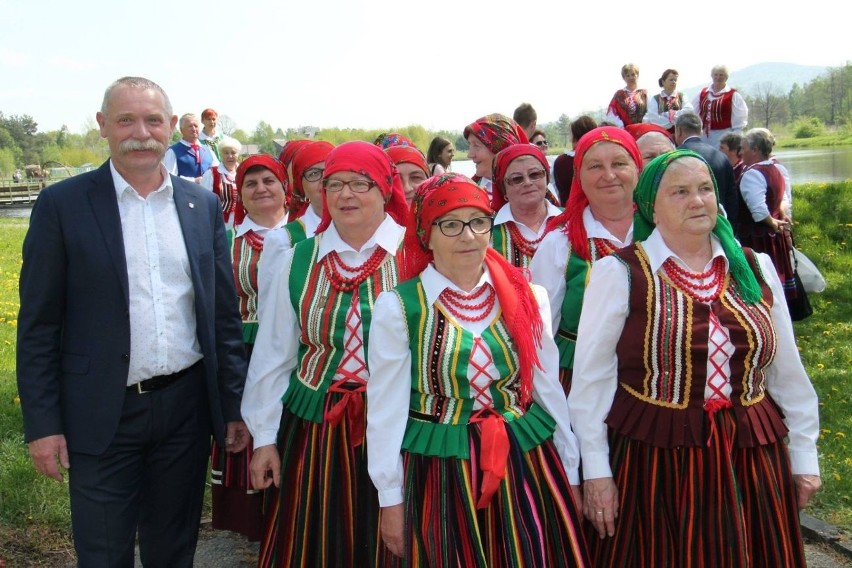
x: 839, y: 435
x: 17, y: 400
x: 820, y: 366
x: 836, y: 477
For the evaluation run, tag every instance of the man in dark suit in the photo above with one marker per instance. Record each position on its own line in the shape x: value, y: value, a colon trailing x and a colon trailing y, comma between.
x: 688, y: 135
x: 130, y: 348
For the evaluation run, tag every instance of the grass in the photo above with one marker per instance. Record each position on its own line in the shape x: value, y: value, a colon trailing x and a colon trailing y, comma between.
x: 823, y: 228
x: 34, y: 515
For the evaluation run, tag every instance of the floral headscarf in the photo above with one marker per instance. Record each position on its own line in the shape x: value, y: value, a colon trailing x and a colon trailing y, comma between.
x: 408, y: 155
x: 387, y: 140
x: 496, y: 132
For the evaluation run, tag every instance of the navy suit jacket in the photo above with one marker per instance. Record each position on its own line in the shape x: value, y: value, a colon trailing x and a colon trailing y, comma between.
x: 73, y: 350
x: 722, y: 171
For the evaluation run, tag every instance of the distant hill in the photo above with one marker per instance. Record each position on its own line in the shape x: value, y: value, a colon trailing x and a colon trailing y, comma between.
x: 782, y: 76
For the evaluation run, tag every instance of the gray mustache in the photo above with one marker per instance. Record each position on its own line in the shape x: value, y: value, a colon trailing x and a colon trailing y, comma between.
x: 137, y: 145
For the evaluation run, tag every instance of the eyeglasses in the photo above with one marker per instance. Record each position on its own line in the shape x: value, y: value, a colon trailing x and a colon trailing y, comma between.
x: 518, y: 179
x: 313, y: 174
x: 541, y: 143
x: 454, y: 227
x: 356, y: 185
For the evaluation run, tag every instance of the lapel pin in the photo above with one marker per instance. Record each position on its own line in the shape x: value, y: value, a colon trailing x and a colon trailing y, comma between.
x: 191, y: 205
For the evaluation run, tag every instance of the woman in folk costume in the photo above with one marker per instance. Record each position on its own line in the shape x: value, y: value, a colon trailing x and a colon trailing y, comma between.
x: 684, y: 395
x: 412, y: 167
x: 237, y: 506
x: 221, y: 180
x: 628, y: 105
x: 486, y: 137
x: 598, y: 219
x: 524, y: 215
x: 304, y: 395
x: 469, y: 439
x: 665, y: 107
x: 306, y: 168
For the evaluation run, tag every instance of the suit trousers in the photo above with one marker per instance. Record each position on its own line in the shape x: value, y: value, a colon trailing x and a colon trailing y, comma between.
x: 151, y: 478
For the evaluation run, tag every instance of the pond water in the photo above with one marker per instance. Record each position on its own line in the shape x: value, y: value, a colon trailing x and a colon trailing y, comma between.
x: 805, y: 166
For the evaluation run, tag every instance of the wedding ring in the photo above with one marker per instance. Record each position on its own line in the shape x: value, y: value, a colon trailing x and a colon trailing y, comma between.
x: 600, y: 512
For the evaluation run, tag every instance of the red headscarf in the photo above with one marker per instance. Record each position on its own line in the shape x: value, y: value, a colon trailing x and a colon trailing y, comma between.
x: 286, y: 155
x: 501, y: 164
x: 268, y: 162
x: 408, y: 155
x: 436, y: 197
x: 496, y: 131
x: 306, y: 156
x: 637, y: 131
x: 370, y: 161
x: 572, y: 217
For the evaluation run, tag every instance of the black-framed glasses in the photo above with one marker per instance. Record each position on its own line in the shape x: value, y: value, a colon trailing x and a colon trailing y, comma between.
x: 356, y: 185
x: 518, y: 179
x: 541, y: 143
x: 455, y: 227
x: 313, y: 174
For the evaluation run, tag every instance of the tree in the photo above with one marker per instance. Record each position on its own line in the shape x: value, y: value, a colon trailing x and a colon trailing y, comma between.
x: 563, y: 127
x: 768, y: 105
x: 263, y: 136
x: 226, y: 124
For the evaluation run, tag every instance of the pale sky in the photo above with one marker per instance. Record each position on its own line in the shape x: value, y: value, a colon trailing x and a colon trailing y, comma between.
x: 381, y: 64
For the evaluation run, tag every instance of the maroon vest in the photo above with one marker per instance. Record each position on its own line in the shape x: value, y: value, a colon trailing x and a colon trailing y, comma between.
x: 716, y: 114
x: 775, y: 185
x: 662, y: 361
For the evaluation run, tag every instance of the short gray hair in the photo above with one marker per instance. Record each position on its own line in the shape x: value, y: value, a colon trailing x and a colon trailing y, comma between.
x: 760, y: 139
x: 136, y: 83
x: 187, y: 116
x: 721, y: 68
x: 689, y: 122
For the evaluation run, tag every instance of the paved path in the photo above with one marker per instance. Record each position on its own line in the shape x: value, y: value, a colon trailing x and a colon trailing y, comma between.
x: 220, y: 549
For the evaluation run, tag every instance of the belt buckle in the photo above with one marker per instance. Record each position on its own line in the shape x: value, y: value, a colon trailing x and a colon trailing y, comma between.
x: 139, y: 388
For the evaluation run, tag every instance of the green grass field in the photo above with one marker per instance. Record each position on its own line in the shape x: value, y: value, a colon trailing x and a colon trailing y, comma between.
x: 34, y: 516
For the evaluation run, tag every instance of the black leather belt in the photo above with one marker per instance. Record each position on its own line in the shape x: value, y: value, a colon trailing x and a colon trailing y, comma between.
x: 566, y: 335
x: 161, y: 381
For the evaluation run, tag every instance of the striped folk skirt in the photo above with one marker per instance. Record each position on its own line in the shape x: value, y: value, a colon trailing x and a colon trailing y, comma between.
x: 714, y: 505
x: 237, y: 506
x: 327, y: 511
x: 530, y: 522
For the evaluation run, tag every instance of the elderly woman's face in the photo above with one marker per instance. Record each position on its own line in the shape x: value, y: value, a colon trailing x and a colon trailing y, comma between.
x: 229, y: 158
x: 353, y: 211
x: 482, y: 157
x: 262, y: 192
x: 720, y: 78
x: 463, y: 251
x: 608, y: 176
x: 686, y: 200
x: 525, y: 182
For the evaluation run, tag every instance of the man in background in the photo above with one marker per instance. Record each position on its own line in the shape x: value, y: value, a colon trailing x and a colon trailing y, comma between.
x: 526, y: 118
x: 188, y: 158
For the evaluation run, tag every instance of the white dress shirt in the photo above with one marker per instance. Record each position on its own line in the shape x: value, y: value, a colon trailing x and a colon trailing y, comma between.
x: 277, y: 345
x: 389, y: 388
x: 163, y: 338
x: 551, y: 259
x: 596, y: 366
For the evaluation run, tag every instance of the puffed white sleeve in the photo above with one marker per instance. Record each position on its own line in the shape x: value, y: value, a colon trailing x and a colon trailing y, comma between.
x: 594, y: 382
x: 207, y: 179
x: 548, y: 271
x: 653, y: 115
x: 272, y: 262
x: 753, y: 190
x: 273, y: 360
x: 548, y: 393
x: 388, y: 397
x: 788, y: 382
x: 739, y: 113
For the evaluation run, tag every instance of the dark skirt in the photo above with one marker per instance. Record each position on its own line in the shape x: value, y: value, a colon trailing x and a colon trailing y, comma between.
x: 327, y: 511
x: 714, y: 505
x: 778, y: 246
x: 237, y: 506
x: 531, y: 520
